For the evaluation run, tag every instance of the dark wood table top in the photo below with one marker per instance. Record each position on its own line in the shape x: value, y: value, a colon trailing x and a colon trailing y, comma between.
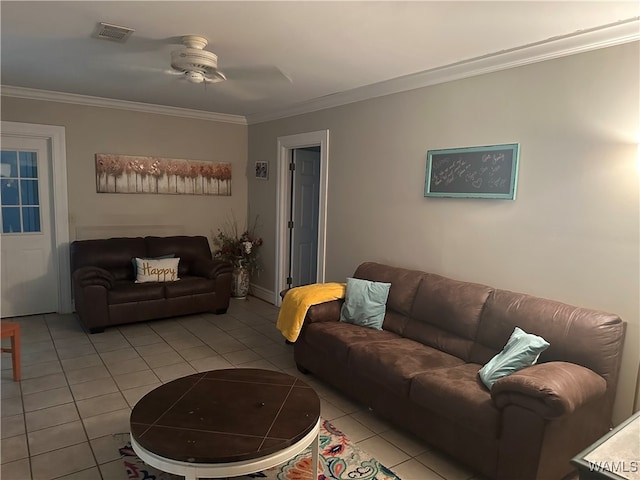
x: 225, y: 416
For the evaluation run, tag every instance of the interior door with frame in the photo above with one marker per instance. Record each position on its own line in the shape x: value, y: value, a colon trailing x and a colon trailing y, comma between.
x: 29, y: 274
x: 305, y: 207
x: 314, y: 215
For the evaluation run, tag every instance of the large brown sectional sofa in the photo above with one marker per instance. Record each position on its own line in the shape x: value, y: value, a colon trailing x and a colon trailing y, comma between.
x: 421, y: 370
x: 106, y: 294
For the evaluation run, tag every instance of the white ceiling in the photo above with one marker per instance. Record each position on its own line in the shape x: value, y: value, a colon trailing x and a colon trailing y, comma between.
x: 334, y: 52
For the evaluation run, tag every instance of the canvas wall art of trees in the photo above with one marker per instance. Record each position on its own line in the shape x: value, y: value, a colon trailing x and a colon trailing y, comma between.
x: 137, y: 174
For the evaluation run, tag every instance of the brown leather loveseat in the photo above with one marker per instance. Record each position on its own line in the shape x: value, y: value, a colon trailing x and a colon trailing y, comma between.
x: 106, y: 293
x: 421, y: 370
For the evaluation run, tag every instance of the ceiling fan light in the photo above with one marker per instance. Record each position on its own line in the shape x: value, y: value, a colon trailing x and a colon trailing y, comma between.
x: 194, y: 77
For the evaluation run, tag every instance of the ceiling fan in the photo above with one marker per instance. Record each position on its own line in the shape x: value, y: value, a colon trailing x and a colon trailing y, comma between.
x: 191, y: 62
x: 196, y: 64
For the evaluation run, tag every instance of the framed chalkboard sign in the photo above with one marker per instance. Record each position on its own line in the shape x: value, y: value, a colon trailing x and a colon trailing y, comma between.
x: 473, y: 172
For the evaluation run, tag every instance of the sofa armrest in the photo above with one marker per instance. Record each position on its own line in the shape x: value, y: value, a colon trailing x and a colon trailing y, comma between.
x: 87, y: 276
x: 550, y: 389
x: 324, y: 312
x: 211, y: 268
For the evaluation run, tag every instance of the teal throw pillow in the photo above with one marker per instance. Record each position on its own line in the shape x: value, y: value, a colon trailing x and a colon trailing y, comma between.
x: 522, y: 350
x: 365, y: 303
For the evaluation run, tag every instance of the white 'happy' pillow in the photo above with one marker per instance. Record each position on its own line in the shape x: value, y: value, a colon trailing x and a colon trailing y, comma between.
x: 158, y: 270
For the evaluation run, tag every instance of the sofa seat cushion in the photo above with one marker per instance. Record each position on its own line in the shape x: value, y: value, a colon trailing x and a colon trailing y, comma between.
x: 189, y: 286
x: 128, y: 292
x: 457, y: 394
x: 338, y: 338
x: 393, y: 363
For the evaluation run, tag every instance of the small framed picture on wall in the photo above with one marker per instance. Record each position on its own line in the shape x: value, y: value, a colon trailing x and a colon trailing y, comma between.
x: 262, y: 170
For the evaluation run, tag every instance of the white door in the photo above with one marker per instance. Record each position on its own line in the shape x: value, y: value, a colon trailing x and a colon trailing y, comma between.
x: 29, y: 276
x: 305, y: 206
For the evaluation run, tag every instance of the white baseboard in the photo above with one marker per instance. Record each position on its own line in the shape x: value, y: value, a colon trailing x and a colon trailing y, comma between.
x: 263, y: 294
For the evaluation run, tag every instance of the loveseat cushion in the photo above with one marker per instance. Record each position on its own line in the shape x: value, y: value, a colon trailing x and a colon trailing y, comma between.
x: 189, y: 286
x: 457, y: 394
x: 338, y: 338
x: 210, y: 268
x: 113, y: 254
x: 127, y: 292
x: 190, y: 250
x: 85, y: 276
x: 393, y: 363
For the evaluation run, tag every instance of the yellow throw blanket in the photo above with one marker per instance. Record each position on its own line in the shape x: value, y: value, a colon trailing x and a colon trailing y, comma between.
x: 298, y: 300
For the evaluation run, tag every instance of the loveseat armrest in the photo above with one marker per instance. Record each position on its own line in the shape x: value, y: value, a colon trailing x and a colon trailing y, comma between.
x: 324, y: 312
x: 550, y: 389
x: 88, y: 276
x: 211, y: 268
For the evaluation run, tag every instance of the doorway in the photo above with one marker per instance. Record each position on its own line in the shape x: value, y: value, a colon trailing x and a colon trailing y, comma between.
x: 301, y: 211
x: 34, y: 228
x: 303, y: 216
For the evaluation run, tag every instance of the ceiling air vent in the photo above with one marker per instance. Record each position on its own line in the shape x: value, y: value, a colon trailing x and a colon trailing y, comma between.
x: 113, y: 32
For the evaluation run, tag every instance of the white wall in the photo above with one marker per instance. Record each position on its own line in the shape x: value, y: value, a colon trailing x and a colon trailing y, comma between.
x: 91, y: 130
x: 572, y: 234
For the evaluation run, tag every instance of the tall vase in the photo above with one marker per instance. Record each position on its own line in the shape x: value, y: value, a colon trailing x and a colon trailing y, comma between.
x: 240, y: 282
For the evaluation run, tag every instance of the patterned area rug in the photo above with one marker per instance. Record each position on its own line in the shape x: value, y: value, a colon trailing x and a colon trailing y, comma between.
x: 339, y: 460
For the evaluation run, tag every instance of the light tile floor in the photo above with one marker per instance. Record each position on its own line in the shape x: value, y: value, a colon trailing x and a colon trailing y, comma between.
x: 78, y: 389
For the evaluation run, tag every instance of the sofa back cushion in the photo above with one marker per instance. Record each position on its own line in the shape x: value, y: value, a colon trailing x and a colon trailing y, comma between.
x: 446, y: 314
x: 578, y: 335
x: 113, y: 254
x: 190, y: 250
x: 404, y: 285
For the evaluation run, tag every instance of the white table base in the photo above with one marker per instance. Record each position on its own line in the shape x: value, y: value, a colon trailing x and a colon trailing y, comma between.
x: 193, y: 471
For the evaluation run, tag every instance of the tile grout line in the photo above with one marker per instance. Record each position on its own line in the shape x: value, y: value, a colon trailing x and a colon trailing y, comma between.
x: 24, y: 411
x: 84, y: 429
x: 190, y: 328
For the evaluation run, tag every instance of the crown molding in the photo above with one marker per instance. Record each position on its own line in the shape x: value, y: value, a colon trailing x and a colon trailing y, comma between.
x: 618, y: 33
x: 51, y: 96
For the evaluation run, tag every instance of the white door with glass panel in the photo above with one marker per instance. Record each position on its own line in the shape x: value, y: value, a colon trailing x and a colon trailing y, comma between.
x: 28, y: 263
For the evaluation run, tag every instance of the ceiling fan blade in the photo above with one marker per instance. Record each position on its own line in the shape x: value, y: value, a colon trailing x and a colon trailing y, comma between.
x: 258, y: 73
x: 213, y: 79
x: 138, y: 44
x: 237, y: 90
x: 149, y: 69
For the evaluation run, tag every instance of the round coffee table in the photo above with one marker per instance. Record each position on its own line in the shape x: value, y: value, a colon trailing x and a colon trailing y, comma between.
x: 226, y: 423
